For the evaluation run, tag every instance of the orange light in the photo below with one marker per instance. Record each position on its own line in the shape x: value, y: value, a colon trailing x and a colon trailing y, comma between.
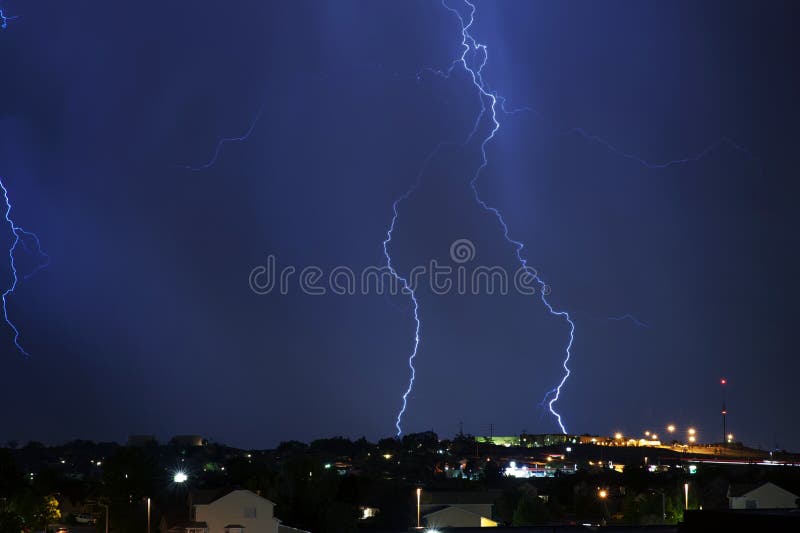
x: 603, y: 494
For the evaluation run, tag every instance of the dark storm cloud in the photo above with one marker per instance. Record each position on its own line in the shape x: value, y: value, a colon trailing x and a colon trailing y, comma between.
x: 144, y: 321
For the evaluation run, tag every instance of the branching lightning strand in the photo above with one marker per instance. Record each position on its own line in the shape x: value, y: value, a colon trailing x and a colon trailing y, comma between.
x: 223, y: 141
x: 19, y: 239
x: 471, y: 45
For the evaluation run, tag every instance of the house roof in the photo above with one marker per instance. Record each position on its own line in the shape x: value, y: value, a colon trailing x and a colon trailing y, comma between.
x: 207, y: 497
x: 739, y: 490
x: 450, y: 507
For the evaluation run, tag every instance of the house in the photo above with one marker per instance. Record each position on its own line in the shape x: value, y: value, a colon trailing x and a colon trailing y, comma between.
x: 765, y: 496
x: 457, y: 509
x: 232, y: 511
x: 452, y: 516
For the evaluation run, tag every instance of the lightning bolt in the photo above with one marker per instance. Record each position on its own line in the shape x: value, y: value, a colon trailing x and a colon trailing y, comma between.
x: 716, y: 145
x: 4, y: 19
x: 473, y: 58
x: 222, y: 142
x: 410, y: 291
x: 621, y: 318
x: 407, y: 288
x: 19, y: 239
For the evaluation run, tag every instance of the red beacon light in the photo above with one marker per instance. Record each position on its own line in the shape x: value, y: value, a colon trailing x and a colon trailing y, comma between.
x: 723, y: 381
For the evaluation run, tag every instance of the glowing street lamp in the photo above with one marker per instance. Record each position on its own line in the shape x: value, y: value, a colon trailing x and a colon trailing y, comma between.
x: 691, y: 431
x: 686, y: 496
x: 618, y: 436
x: 730, y: 438
x: 603, y: 494
x: 180, y: 477
x: 671, y: 428
x: 419, y: 493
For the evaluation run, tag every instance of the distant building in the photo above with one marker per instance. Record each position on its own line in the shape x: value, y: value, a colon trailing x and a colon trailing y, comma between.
x: 142, y: 440
x: 537, y: 441
x: 765, y: 496
x: 187, y: 440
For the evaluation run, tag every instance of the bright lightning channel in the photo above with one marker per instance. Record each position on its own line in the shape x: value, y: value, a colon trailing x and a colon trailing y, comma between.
x: 19, y: 239
x: 407, y: 287
x: 480, y: 51
x: 4, y: 19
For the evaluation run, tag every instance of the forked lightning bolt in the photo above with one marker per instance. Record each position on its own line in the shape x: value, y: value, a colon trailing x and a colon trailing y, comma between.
x: 473, y: 59
x: 4, y: 19
x: 19, y: 239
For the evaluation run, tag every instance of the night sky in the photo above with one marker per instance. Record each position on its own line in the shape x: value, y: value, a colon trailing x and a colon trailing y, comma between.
x: 144, y: 321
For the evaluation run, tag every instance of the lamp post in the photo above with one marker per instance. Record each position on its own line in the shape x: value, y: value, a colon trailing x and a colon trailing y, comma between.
x: 106, y: 513
x: 686, y: 496
x: 419, y: 494
x: 722, y: 383
x: 603, y: 494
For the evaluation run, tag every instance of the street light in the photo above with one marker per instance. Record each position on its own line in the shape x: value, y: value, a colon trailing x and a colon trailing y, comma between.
x: 180, y: 477
x: 603, y: 494
x: 419, y: 494
x: 671, y: 428
x: 106, y: 513
x: 686, y: 496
